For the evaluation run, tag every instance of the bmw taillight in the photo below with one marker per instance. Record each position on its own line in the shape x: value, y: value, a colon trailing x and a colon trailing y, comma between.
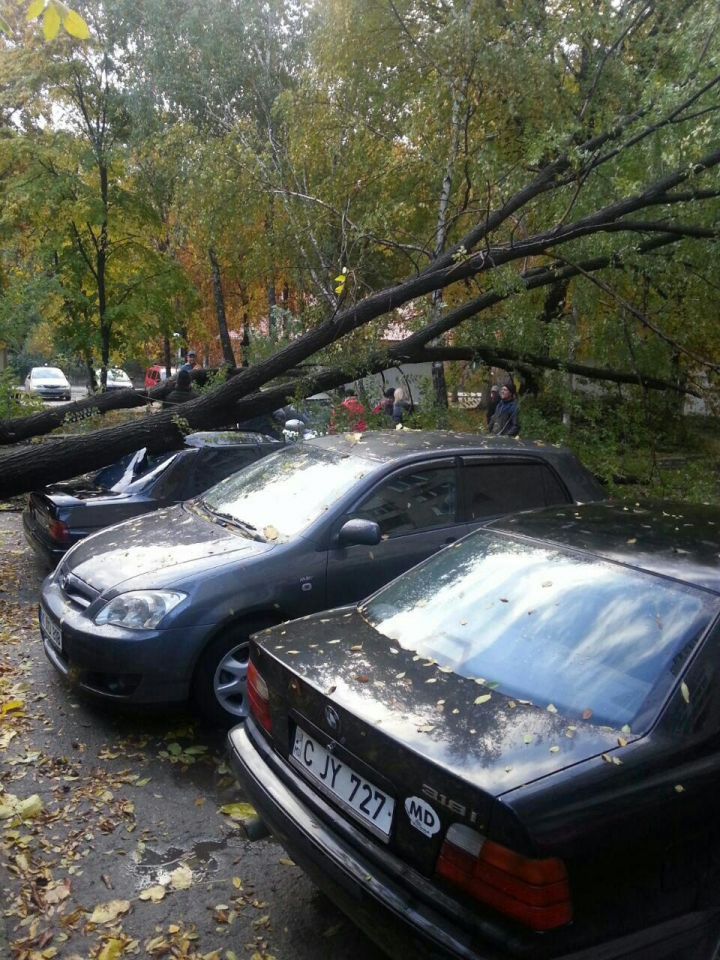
x: 533, y: 892
x: 59, y: 531
x: 259, y: 697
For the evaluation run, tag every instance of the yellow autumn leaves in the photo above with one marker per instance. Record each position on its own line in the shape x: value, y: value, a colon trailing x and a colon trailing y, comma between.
x: 56, y: 13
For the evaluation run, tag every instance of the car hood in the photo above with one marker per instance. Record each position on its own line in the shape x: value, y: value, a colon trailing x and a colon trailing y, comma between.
x: 146, y: 548
x: 50, y: 382
x: 497, y: 744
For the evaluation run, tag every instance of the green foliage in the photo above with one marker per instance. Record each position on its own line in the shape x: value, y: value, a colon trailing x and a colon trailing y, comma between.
x: 14, y: 402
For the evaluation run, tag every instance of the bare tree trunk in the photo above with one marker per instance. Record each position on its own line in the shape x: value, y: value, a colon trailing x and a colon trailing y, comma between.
x: 227, y: 350
x: 441, y: 230
x: 570, y: 376
x: 167, y: 356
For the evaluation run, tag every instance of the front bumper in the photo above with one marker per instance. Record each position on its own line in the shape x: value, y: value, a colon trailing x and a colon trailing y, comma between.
x: 107, y: 663
x: 387, y: 911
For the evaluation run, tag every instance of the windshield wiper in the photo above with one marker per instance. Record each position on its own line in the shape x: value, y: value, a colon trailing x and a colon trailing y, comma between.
x: 247, y: 528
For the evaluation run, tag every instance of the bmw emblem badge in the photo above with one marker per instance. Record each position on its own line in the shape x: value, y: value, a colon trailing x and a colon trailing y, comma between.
x: 332, y: 719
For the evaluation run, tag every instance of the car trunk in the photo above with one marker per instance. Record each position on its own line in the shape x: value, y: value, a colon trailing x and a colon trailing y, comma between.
x: 443, y: 747
x: 42, y: 511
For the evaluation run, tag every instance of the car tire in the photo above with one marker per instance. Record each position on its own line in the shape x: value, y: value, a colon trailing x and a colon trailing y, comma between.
x: 218, y: 685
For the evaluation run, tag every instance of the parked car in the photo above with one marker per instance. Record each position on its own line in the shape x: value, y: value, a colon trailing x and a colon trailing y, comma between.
x: 159, y: 609
x: 48, y: 383
x: 116, y: 379
x: 513, y: 750
x: 155, y: 375
x: 62, y: 514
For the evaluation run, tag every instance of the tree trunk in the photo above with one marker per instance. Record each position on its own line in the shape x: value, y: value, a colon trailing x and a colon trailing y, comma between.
x: 227, y: 350
x: 100, y: 266
x: 272, y: 300
x: 167, y: 356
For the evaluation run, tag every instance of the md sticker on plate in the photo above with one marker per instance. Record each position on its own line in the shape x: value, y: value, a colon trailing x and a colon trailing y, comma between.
x: 422, y: 816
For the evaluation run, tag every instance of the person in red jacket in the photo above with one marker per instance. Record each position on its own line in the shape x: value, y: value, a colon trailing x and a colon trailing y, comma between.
x: 354, y: 412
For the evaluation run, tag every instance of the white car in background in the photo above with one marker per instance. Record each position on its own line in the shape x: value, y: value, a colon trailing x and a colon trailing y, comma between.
x: 117, y: 379
x: 48, y: 383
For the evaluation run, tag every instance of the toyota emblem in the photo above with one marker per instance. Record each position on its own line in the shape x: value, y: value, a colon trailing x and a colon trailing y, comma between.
x: 332, y: 719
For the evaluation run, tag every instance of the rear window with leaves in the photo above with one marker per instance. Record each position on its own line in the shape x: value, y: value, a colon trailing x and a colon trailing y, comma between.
x: 592, y: 638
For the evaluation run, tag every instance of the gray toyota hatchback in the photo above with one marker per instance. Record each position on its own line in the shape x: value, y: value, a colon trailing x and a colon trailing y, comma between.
x: 159, y: 609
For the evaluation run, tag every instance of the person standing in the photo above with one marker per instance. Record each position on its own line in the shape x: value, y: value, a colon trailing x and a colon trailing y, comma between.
x: 505, y: 422
x: 387, y: 403
x: 182, y: 392
x: 401, y: 407
x: 189, y: 364
x: 494, y: 401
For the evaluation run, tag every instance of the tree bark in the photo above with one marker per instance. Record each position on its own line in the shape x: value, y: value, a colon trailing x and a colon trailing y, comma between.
x: 227, y: 350
x: 167, y: 356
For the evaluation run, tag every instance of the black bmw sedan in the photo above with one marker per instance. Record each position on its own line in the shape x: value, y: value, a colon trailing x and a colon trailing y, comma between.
x: 513, y: 750
x: 59, y: 516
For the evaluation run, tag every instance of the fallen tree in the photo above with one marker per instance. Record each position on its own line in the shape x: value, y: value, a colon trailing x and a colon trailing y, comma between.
x: 23, y: 469
x: 37, y: 424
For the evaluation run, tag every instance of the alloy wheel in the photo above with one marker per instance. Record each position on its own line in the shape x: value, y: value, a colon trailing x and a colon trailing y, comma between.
x: 230, y: 681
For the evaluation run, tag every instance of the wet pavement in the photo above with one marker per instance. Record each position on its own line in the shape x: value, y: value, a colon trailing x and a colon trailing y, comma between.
x: 125, y: 851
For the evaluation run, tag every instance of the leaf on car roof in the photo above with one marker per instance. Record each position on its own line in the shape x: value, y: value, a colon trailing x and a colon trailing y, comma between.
x: 551, y: 708
x: 633, y: 540
x: 587, y: 714
x: 484, y: 698
x: 684, y: 690
x: 554, y: 749
x: 527, y: 738
x: 679, y: 788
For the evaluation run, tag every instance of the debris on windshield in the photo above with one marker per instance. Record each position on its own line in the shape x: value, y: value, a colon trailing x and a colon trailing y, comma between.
x: 270, y: 532
x: 685, y: 692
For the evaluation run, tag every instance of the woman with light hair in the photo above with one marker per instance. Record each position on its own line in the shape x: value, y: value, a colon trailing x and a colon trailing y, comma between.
x: 401, y: 406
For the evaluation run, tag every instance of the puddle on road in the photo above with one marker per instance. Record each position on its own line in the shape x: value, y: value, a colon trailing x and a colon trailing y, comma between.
x: 150, y: 866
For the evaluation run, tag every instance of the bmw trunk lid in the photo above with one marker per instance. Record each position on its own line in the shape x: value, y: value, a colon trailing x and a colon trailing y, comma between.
x: 443, y: 747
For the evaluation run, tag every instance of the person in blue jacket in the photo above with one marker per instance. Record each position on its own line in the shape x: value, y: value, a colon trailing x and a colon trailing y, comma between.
x: 505, y: 422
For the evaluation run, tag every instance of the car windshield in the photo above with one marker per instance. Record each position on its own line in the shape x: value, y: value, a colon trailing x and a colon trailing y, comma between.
x: 126, y: 474
x: 589, y: 637
x: 48, y: 373
x: 283, y: 494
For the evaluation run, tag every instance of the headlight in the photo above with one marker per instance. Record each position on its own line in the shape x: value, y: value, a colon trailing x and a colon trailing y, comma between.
x: 140, y: 609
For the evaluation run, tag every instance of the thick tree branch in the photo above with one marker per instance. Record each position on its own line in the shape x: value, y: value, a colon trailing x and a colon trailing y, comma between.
x: 502, y: 356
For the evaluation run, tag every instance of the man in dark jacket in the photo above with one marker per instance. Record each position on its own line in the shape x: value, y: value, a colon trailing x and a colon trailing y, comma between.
x: 182, y: 391
x: 505, y: 421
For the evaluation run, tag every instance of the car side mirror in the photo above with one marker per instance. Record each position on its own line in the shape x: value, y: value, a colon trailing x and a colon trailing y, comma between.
x: 359, y: 531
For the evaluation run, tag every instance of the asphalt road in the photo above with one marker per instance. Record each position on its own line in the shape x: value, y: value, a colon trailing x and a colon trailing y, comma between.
x: 131, y: 809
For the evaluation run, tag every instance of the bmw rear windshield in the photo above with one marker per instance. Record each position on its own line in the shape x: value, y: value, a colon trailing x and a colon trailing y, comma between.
x: 592, y: 639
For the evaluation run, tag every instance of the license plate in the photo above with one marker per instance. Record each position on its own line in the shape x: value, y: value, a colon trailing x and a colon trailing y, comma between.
x: 51, y: 630
x: 369, y: 804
